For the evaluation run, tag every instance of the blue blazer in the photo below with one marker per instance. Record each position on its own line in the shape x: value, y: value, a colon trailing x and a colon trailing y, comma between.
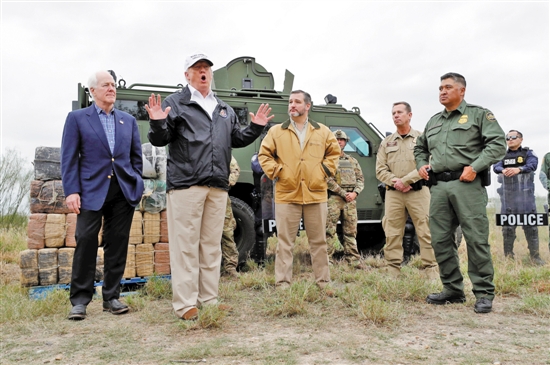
x: 87, y: 162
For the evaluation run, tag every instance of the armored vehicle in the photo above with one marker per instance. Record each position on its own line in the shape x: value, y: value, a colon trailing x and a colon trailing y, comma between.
x: 244, y: 84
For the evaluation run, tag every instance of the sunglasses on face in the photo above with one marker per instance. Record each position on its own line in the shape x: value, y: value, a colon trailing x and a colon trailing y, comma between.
x: 509, y: 138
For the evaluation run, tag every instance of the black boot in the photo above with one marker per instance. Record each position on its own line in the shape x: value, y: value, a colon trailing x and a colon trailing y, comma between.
x: 408, y: 242
x: 532, y: 235
x: 508, y: 237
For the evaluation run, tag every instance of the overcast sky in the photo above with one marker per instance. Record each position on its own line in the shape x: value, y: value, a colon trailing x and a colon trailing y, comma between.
x: 368, y: 54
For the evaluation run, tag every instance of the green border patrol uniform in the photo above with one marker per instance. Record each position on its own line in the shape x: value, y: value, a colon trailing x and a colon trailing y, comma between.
x: 467, y: 136
x: 545, y: 180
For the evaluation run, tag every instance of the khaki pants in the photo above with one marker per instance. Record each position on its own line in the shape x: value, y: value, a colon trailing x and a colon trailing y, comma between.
x: 417, y: 203
x: 288, y: 217
x: 195, y: 224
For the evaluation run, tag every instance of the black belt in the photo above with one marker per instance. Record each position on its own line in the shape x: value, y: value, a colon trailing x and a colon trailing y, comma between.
x: 448, y: 175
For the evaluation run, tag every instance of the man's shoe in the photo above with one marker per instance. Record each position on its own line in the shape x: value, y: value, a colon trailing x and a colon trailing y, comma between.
x: 114, y: 306
x: 191, y: 314
x: 283, y: 285
x: 483, y: 305
x: 537, y: 261
x: 77, y: 313
x: 445, y: 298
x: 232, y: 272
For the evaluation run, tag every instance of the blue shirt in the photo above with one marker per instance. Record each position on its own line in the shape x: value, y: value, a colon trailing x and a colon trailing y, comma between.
x: 108, y: 123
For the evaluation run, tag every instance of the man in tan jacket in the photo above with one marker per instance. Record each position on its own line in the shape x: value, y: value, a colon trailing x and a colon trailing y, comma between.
x: 406, y: 192
x: 299, y: 155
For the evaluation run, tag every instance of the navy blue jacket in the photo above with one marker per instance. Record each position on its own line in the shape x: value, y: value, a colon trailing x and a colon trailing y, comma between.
x: 87, y: 162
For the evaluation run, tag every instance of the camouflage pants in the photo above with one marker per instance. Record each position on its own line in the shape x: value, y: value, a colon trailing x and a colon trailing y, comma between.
x: 229, y: 248
x: 338, y: 207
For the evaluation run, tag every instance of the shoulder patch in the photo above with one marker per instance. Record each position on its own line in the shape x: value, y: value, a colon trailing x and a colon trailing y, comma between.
x: 490, y: 117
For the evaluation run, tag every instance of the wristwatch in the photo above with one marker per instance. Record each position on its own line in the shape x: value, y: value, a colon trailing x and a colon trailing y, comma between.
x: 520, y: 169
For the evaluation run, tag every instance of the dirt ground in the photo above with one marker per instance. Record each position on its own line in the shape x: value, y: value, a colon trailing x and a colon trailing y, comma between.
x: 329, y: 334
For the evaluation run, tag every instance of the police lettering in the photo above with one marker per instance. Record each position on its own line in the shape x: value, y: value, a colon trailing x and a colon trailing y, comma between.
x: 528, y: 219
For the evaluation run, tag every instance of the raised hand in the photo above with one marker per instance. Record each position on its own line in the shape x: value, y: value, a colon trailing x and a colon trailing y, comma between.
x: 154, y: 108
x: 262, y: 116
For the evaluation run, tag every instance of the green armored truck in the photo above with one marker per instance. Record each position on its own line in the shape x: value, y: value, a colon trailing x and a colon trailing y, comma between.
x: 244, y: 85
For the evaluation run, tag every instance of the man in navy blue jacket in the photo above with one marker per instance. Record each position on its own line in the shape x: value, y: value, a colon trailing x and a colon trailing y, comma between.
x: 516, y: 172
x: 101, y: 167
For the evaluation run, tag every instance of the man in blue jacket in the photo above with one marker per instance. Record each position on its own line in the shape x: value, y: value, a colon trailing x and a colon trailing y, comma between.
x: 101, y: 167
x: 517, y: 173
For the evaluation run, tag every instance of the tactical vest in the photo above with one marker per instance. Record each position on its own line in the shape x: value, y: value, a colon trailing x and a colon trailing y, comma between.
x: 516, y: 161
x: 346, y: 174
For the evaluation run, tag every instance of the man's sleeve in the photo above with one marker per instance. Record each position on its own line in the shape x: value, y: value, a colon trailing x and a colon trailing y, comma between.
x: 332, y: 154
x: 359, y: 178
x: 494, y: 142
x: 383, y: 172
x: 531, y: 163
x: 160, y: 131
x: 70, y: 156
x: 136, y: 157
x: 266, y: 156
x: 421, y: 152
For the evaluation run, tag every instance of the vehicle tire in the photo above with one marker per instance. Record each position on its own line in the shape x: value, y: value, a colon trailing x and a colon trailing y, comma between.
x: 458, y: 236
x: 245, y: 235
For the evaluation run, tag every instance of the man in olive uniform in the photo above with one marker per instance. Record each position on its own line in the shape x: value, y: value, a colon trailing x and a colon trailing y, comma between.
x: 517, y: 173
x: 544, y: 178
x: 458, y: 145
x: 230, y: 253
x: 406, y: 192
x: 344, y: 188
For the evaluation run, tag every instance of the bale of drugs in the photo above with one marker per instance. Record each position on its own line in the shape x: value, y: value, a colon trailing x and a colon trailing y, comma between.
x: 130, y: 269
x: 154, y: 162
x: 54, y: 230
x: 162, y: 258
x: 151, y: 227
x: 47, y: 276
x: 136, y: 230
x: 65, y: 258
x: 29, y: 277
x: 145, y: 263
x: 70, y: 240
x: 48, y: 197
x: 47, y: 258
x: 163, y: 226
x: 153, y: 199
x: 47, y: 163
x: 35, y: 231
x: 28, y: 259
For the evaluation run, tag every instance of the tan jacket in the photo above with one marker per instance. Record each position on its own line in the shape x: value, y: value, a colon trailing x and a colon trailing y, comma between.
x: 300, y: 174
x: 395, y: 159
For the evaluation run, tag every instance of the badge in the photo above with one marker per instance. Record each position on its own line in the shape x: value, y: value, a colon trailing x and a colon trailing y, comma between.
x: 392, y: 144
x: 121, y: 122
x: 490, y: 117
x: 520, y: 159
x: 463, y: 119
x: 223, y: 113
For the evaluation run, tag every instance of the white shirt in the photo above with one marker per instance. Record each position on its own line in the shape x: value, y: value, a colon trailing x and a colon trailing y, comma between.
x: 208, y: 103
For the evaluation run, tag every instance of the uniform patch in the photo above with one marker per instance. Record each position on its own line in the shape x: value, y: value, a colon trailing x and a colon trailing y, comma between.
x: 223, y: 113
x: 520, y: 159
x: 463, y: 119
x: 490, y: 117
x: 391, y: 144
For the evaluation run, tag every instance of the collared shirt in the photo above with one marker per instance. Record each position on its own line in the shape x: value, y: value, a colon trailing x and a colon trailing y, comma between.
x: 108, y: 123
x: 395, y: 158
x: 208, y: 103
x: 301, y: 133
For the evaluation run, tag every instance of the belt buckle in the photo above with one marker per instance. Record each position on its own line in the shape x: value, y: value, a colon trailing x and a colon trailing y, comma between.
x: 447, y: 176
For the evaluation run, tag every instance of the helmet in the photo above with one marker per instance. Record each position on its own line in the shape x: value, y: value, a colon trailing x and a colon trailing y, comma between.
x: 339, y: 134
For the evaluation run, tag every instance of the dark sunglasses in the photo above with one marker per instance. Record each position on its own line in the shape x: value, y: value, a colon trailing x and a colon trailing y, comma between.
x: 509, y: 138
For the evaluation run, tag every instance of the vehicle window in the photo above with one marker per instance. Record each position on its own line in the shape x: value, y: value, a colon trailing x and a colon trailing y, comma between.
x: 134, y: 108
x: 357, y: 142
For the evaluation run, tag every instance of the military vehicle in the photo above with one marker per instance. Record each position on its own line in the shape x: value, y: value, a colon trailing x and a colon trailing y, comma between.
x: 244, y: 84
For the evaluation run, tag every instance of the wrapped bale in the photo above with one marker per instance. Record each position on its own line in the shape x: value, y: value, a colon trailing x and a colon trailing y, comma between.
x: 48, y: 197
x: 70, y: 240
x: 99, y: 264
x: 65, y: 258
x: 54, y: 230
x: 28, y: 262
x: 47, y: 266
x: 47, y: 163
x: 136, y: 230
x: 163, y: 227
x: 145, y: 259
x: 35, y: 231
x: 153, y: 199
x: 162, y: 258
x: 130, y: 269
x: 154, y: 162
x: 151, y: 227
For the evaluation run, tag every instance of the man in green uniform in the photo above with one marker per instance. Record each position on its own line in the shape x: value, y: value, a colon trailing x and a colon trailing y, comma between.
x: 230, y: 253
x: 344, y: 188
x: 406, y: 192
x: 457, y: 146
x: 544, y: 178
